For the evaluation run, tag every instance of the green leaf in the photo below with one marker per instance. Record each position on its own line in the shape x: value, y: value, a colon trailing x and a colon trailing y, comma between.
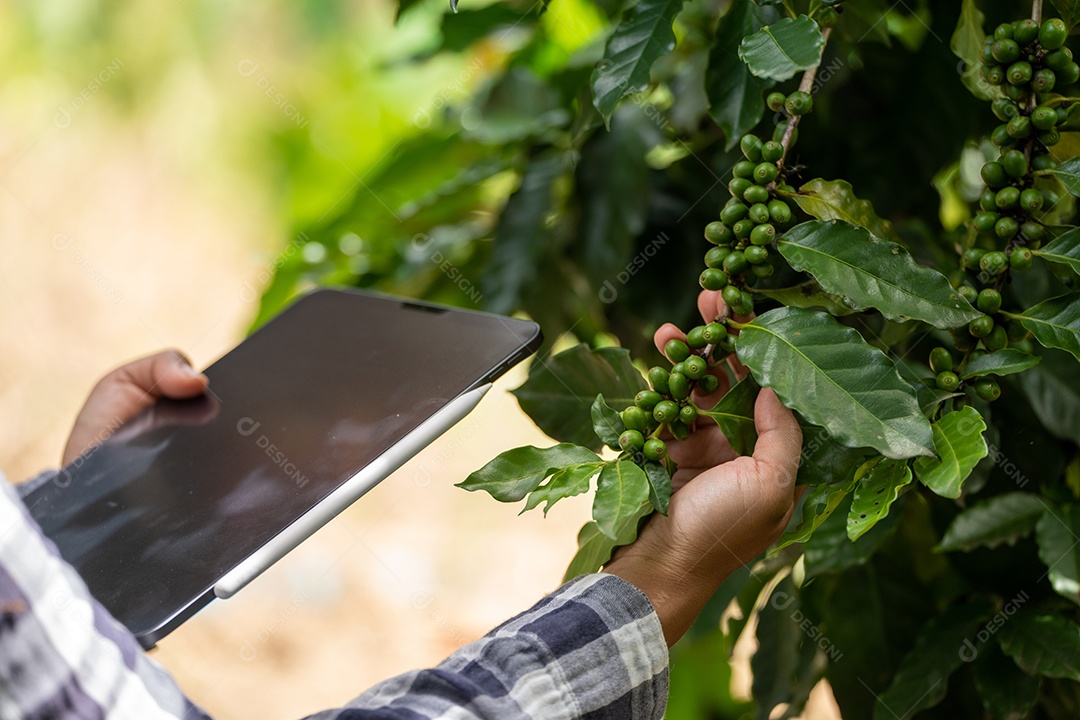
x: 967, y: 44
x: 807, y: 295
x: 836, y: 200
x: 640, y: 39
x: 1002, y: 519
x: 1055, y: 323
x: 866, y: 271
x: 1053, y: 389
x: 1068, y: 173
x: 521, y: 237
x: 1047, y: 645
x: 960, y: 446
x: 659, y: 486
x: 736, y: 97
x: 569, y: 481
x: 825, y: 461
x: 612, y: 186
x: 1058, y: 536
x: 595, y: 548
x: 830, y: 551
x: 515, y: 473
x: 784, y: 48
x: 1065, y: 248
x: 834, y: 379
x: 734, y: 413
x: 922, y: 679
x: 516, y: 106
x: 1069, y: 10
x: 607, y: 423
x: 620, y: 491
x: 1007, y: 693
x: 1002, y: 362
x: 559, y: 392
x: 875, y: 493
x: 820, y: 502
x: 781, y: 652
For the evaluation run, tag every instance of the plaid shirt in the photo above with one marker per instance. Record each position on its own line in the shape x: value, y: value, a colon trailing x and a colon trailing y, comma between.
x: 592, y: 649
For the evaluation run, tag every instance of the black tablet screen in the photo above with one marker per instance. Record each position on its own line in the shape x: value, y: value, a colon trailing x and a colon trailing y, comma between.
x: 155, y: 515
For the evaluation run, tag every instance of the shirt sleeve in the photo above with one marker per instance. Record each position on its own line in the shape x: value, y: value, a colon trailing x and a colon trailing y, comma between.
x: 62, y: 655
x: 593, y: 649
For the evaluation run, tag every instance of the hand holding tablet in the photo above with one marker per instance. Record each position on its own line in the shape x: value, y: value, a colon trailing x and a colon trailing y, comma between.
x: 194, y: 498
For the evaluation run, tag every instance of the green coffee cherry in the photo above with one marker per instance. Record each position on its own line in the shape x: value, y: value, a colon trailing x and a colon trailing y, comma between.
x: 744, y: 169
x: 993, y: 174
x: 676, y: 350
x: 1005, y: 109
x: 708, y: 384
x: 997, y: 339
x: 1020, y: 258
x: 634, y: 418
x: 713, y: 279
x: 1001, y: 137
x: 1053, y: 33
x: 984, y: 222
x: 751, y: 148
x: 989, y: 301
x: 755, y: 194
x: 679, y: 385
x: 981, y: 326
x: 735, y: 263
x: 1050, y: 137
x: 779, y: 212
x: 988, y: 390
x: 1025, y: 31
x: 971, y: 260
x: 1020, y: 127
x: 695, y: 338
x: 732, y: 296
x: 677, y: 368
x: 987, y: 201
x: 695, y: 367
x: 759, y: 213
x: 655, y: 449
x: 1042, y: 161
x: 647, y: 399
x: 1018, y: 93
x: 679, y: 430
x: 1019, y: 73
x: 631, y: 440
x: 940, y: 360
x: 948, y: 381
x: 967, y: 292
x: 1043, y: 118
x: 762, y: 235
x: 745, y: 305
x: 665, y: 411
x: 995, y: 76
x: 799, y: 103
x: 1005, y: 51
x: 727, y: 344
x: 762, y: 271
x: 714, y: 258
x: 1033, y: 231
x: 1014, y: 163
x: 687, y: 414
x: 765, y: 173
x: 1043, y: 80
x: 772, y: 151
x: 1005, y: 228
x: 738, y: 186
x: 1068, y: 74
x: 658, y: 378
x: 1031, y: 200
x: 775, y: 101
x: 1007, y: 197
x: 736, y: 211
x: 717, y: 232
x: 713, y: 332
x: 756, y: 255
x: 1004, y: 31
x: 743, y: 228
x: 1059, y: 59
x: 995, y: 262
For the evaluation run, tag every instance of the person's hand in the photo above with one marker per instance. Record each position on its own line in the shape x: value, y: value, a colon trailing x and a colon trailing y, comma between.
x: 725, y: 509
x: 127, y: 391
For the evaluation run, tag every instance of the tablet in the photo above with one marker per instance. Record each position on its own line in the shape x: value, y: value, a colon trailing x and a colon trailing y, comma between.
x: 194, y: 498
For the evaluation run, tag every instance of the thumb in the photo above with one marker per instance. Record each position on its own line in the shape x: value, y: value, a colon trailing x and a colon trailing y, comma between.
x: 166, y: 374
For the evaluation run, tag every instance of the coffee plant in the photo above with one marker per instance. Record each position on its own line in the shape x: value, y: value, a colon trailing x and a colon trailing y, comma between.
x: 933, y: 567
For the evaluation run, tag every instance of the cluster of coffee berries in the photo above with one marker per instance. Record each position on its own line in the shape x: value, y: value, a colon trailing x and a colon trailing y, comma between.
x: 1025, y: 58
x: 667, y: 406
x: 941, y: 363
x: 748, y: 224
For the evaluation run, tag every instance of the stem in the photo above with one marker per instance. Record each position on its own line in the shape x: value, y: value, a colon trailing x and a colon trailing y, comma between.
x: 1036, y: 11
x: 805, y: 85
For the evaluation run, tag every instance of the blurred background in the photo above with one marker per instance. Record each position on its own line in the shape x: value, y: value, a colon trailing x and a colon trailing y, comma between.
x: 158, y: 162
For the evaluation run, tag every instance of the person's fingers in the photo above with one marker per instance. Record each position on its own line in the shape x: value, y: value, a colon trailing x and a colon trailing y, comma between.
x: 166, y: 374
x: 779, y: 443
x: 667, y: 332
x: 710, y: 304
